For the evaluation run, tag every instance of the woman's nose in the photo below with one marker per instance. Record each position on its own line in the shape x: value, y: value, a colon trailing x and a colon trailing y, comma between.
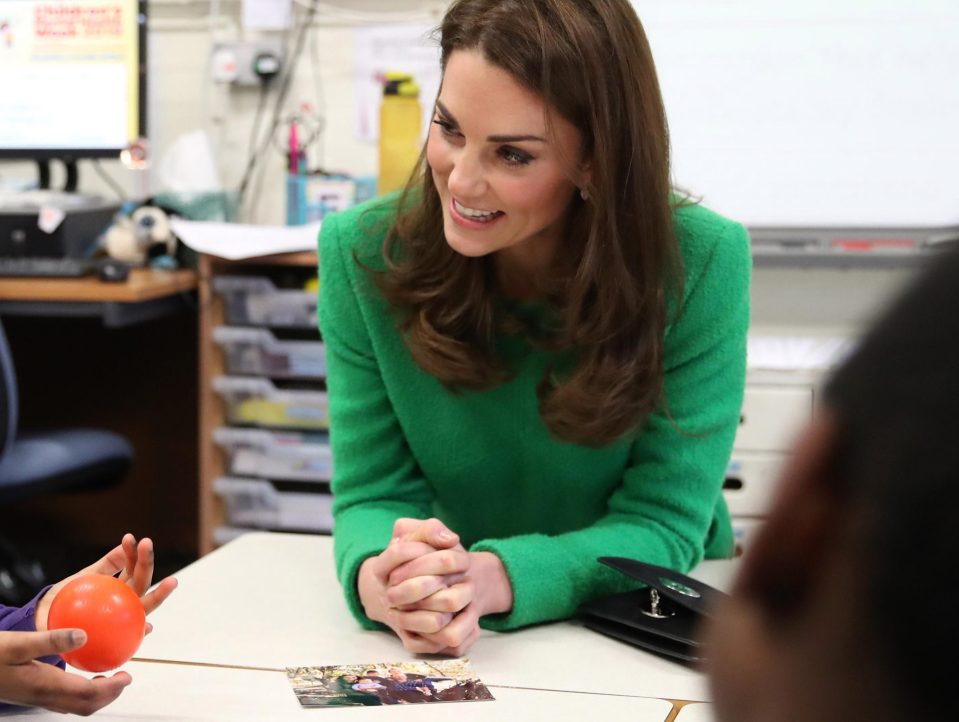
x: 467, y: 179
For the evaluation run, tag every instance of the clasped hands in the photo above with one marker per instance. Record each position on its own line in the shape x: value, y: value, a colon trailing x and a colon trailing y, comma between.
x: 429, y: 590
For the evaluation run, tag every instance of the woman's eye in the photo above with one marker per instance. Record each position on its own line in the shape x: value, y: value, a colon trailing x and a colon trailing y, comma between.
x: 514, y: 156
x: 447, y: 127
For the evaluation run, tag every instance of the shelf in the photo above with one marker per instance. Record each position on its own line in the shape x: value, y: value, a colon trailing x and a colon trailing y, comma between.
x: 281, y: 455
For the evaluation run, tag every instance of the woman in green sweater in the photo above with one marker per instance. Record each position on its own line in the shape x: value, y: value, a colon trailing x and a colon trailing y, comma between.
x: 536, y: 353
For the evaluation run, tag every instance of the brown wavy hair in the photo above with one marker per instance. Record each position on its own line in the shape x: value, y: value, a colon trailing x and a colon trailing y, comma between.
x: 589, y: 60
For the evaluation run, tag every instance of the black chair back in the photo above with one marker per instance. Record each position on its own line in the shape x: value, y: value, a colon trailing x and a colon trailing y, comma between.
x: 8, y: 395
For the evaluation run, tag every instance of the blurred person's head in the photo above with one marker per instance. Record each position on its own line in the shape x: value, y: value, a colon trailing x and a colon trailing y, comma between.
x: 849, y: 592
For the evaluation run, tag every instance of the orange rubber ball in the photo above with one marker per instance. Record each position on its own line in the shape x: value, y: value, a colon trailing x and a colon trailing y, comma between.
x: 111, y: 614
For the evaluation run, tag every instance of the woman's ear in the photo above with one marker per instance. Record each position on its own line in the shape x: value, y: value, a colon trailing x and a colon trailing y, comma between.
x: 584, y: 174
x: 780, y: 569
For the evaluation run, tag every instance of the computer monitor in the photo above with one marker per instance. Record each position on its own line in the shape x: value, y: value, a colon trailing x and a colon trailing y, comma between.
x: 73, y: 78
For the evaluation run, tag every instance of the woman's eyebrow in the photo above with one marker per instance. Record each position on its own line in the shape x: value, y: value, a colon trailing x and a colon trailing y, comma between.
x: 446, y: 113
x: 492, y: 138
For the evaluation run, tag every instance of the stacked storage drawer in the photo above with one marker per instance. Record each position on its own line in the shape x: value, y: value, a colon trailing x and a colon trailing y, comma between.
x: 771, y: 418
x: 276, y: 445
x: 784, y: 373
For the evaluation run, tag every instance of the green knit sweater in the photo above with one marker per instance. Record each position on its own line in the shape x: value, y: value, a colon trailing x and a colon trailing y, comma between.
x: 486, y: 464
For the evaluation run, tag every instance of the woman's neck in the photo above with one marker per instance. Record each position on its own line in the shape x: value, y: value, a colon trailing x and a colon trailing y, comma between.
x: 522, y: 270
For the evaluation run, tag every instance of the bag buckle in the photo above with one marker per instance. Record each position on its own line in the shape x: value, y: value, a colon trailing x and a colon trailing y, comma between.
x: 657, y: 608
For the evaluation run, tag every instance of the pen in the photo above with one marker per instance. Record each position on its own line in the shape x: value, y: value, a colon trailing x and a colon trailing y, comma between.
x: 294, y: 153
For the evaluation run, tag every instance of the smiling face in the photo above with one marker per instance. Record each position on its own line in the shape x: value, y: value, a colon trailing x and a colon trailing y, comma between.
x: 505, y: 183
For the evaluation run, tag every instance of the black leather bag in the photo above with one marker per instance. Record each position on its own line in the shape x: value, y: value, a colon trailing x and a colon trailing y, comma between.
x: 662, y: 617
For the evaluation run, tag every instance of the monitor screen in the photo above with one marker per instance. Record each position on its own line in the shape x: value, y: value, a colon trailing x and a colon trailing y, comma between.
x: 73, y: 77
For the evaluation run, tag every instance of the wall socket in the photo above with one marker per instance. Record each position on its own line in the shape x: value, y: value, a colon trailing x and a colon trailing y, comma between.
x: 235, y: 62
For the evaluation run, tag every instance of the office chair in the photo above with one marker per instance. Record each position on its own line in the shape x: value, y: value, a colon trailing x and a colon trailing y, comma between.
x: 32, y: 464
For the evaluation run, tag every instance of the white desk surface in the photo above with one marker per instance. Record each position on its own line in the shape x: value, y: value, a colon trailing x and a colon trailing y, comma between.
x: 270, y: 601
x: 183, y: 693
x: 696, y: 712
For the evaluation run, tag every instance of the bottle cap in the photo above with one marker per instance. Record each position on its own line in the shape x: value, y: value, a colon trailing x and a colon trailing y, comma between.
x: 408, y: 90
x: 402, y: 84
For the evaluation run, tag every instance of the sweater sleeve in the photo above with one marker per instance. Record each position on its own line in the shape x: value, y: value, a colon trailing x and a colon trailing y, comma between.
x: 18, y: 619
x: 662, y: 511
x: 376, y: 479
x: 23, y: 619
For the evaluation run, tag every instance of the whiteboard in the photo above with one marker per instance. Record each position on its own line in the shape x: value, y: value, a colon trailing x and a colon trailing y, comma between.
x: 819, y: 113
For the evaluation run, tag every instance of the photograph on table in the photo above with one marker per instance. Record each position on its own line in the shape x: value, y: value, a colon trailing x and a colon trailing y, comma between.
x: 379, y: 683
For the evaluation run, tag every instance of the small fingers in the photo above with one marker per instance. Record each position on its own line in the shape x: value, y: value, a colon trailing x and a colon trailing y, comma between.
x: 122, y: 558
x: 418, y: 621
x: 110, y: 563
x: 464, y: 646
x: 439, y: 563
x: 141, y: 573
x: 413, y: 591
x: 21, y: 647
x: 417, y: 644
x: 395, y: 555
x: 458, y: 633
x: 71, y: 693
x: 429, y: 531
x: 129, y: 545
x: 451, y: 599
x: 405, y: 526
x: 155, y: 598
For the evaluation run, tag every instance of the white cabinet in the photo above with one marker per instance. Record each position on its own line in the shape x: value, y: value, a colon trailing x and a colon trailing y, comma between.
x: 751, y: 479
x: 783, y: 378
x: 772, y: 416
x: 784, y: 373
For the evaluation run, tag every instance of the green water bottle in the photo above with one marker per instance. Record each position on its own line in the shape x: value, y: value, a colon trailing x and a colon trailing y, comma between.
x: 400, y: 119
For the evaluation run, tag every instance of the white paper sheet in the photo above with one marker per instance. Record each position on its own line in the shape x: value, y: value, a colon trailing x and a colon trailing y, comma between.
x: 234, y: 241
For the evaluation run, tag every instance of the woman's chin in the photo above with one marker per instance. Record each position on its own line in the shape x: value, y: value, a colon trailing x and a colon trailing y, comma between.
x: 464, y: 245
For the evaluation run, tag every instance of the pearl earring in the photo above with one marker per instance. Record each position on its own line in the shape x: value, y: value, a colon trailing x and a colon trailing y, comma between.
x: 583, y: 194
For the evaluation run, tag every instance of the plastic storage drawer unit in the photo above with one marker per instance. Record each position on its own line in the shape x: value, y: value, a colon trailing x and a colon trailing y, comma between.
x: 257, y: 503
x: 772, y: 416
x: 751, y: 481
x: 258, y: 402
x: 256, y: 301
x: 258, y: 351
x: 276, y: 454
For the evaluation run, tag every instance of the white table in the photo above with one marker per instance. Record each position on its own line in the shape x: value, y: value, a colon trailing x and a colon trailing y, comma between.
x: 266, y: 601
x: 184, y: 693
x: 696, y: 712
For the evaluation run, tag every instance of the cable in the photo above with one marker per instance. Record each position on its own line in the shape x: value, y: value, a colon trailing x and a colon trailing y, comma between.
x: 287, y: 77
x: 320, y: 101
x: 101, y: 171
x: 258, y: 119
x: 254, y: 138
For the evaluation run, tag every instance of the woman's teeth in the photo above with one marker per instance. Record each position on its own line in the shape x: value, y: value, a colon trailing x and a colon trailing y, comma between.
x: 473, y: 213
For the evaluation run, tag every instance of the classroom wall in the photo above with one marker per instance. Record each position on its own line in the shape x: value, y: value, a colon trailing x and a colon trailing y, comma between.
x: 786, y: 300
x: 183, y: 98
